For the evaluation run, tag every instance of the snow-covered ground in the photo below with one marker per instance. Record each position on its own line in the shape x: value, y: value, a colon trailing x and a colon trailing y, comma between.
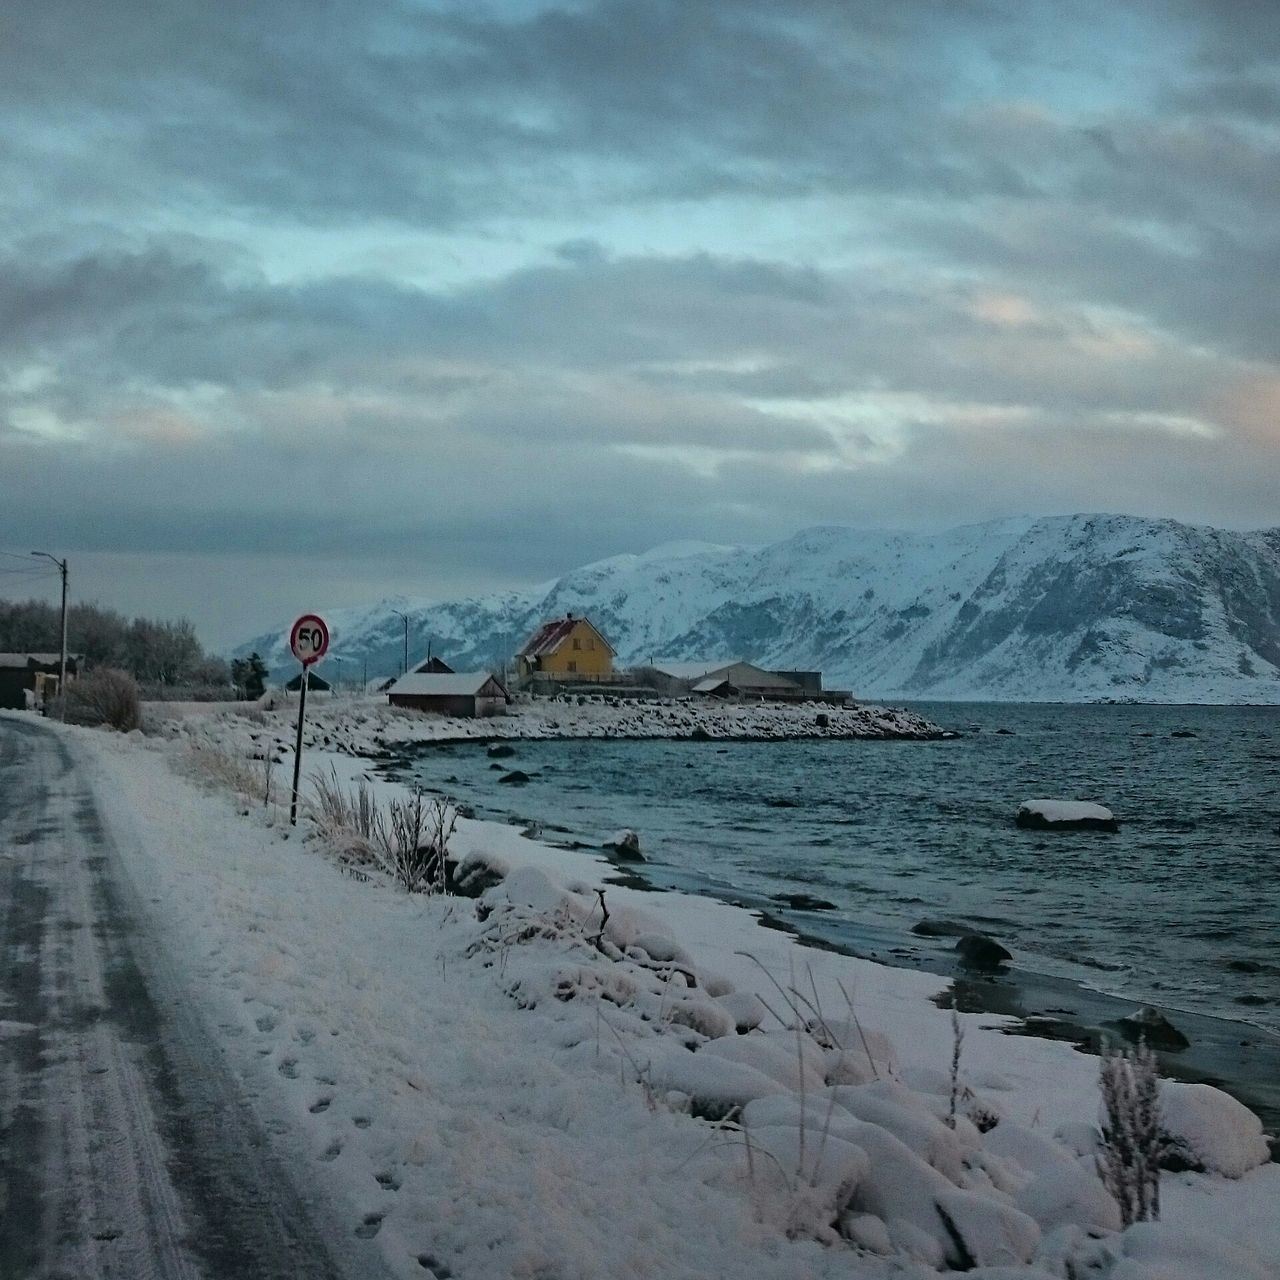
x: 367, y: 725
x: 516, y: 1087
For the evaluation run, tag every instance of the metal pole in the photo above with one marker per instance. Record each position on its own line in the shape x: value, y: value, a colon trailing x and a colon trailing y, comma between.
x: 62, y: 673
x: 62, y: 668
x: 297, y: 749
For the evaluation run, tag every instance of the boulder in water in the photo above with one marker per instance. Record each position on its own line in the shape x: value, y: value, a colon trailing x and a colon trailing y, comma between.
x: 803, y: 902
x: 1065, y: 815
x: 1151, y: 1025
x: 625, y: 845
x: 500, y: 750
x: 980, y: 953
x: 517, y: 777
x: 941, y: 929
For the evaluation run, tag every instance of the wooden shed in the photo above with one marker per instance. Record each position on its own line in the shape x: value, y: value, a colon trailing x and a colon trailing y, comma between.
x: 18, y: 673
x: 469, y: 693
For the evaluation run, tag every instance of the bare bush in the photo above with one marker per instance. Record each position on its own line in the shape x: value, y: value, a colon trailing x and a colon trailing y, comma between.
x: 1129, y: 1158
x: 957, y: 1041
x: 106, y: 696
x: 417, y: 842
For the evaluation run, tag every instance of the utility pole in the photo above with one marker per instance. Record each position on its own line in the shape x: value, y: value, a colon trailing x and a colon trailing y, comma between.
x: 404, y: 670
x: 62, y: 670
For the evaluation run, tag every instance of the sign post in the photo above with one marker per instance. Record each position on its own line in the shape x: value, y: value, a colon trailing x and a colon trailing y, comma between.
x: 309, y: 640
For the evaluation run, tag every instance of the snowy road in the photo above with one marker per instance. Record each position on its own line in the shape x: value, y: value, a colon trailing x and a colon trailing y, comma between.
x: 127, y: 1148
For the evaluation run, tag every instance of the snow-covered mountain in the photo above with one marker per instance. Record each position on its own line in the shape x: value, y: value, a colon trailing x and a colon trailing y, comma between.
x: 1064, y: 608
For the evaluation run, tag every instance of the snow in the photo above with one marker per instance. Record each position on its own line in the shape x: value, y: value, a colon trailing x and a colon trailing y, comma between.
x: 529, y: 1089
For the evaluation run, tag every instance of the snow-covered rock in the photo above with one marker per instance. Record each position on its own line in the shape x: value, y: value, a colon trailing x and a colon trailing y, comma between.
x: 1211, y: 1130
x: 1066, y: 815
x: 1160, y: 1251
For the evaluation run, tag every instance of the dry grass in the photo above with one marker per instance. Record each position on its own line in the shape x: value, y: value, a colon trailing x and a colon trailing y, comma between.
x: 409, y: 840
x: 250, y: 778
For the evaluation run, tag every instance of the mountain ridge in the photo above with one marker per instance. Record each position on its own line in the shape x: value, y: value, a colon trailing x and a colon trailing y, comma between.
x: 1055, y: 608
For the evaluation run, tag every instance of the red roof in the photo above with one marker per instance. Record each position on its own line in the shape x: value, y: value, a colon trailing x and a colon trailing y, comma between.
x: 551, y: 635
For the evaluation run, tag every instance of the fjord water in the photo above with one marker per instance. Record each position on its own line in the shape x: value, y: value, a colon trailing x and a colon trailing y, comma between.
x: 1181, y: 908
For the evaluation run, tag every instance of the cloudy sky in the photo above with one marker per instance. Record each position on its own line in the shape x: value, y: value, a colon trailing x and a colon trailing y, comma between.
x: 304, y: 302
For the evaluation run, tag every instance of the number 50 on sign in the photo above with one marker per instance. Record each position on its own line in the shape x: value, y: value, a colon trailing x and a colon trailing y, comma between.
x: 309, y: 639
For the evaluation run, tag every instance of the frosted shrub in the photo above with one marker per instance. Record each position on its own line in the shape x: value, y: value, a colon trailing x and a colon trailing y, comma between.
x: 1128, y: 1161
x: 104, y: 697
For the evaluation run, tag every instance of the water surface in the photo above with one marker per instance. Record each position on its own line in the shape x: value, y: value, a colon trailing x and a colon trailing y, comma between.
x: 1180, y: 908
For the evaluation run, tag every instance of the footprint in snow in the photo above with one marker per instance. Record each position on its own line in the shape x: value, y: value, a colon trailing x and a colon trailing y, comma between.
x: 332, y: 1151
x: 370, y: 1227
x: 319, y: 1105
x: 361, y: 1122
x: 289, y: 1068
x: 265, y: 1023
x: 388, y: 1181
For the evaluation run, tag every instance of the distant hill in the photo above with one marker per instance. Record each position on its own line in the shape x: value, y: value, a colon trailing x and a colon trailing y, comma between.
x: 1064, y: 608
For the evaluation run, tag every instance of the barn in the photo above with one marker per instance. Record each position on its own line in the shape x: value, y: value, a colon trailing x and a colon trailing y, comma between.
x: 468, y: 693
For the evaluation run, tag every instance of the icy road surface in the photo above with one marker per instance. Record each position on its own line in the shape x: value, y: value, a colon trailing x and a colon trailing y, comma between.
x: 127, y: 1149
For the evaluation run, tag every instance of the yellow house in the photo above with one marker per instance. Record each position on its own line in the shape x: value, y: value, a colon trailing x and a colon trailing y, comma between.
x: 564, y: 648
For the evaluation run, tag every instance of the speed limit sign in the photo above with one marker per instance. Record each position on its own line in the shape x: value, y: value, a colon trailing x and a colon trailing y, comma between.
x: 309, y: 639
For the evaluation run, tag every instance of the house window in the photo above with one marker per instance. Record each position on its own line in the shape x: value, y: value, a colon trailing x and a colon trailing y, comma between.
x: 591, y: 644
x: 573, y: 666
x: 577, y: 644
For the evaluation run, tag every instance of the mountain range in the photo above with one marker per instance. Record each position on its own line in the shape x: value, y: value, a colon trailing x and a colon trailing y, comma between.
x: 1061, y: 608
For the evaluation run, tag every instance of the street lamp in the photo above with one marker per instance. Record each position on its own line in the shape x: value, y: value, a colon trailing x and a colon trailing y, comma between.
x: 405, y: 617
x: 62, y: 670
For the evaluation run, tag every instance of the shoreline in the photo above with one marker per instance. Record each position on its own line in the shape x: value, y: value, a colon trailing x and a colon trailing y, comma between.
x: 357, y: 731
x: 1223, y: 1052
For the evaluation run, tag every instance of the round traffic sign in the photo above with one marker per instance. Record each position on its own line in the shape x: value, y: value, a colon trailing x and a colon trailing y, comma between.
x: 309, y: 639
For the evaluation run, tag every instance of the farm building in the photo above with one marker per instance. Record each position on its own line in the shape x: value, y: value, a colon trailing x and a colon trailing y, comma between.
x: 566, y: 648
x: 468, y: 693
x: 736, y: 679
x: 18, y: 672
x: 433, y: 667
x: 315, y: 683
x: 725, y: 679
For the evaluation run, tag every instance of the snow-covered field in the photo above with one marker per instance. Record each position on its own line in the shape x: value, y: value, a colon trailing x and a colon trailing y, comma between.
x: 514, y: 1086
